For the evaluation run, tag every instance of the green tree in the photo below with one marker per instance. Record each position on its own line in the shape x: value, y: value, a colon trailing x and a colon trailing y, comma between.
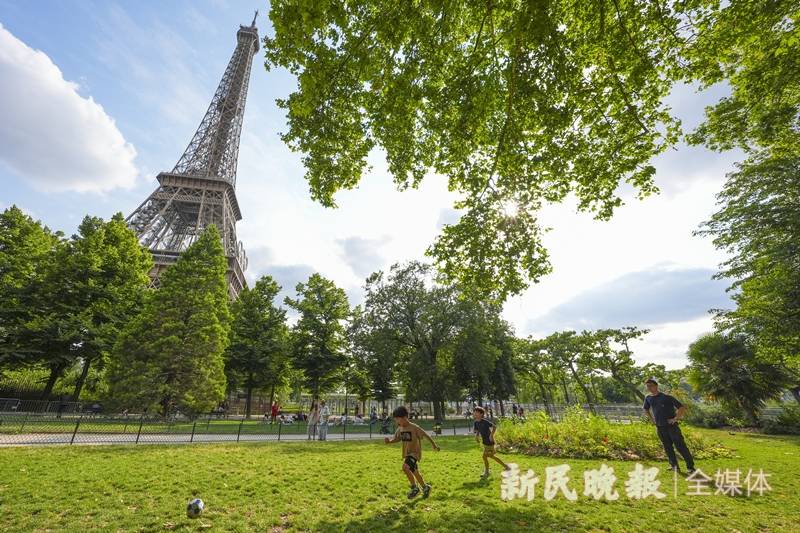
x: 318, y: 339
x: 524, y: 103
x: 357, y: 381
x: 725, y: 369
x: 519, y: 103
x: 424, y: 317
x: 758, y: 225
x: 42, y: 324
x: 474, y: 357
x: 503, y: 379
x: 172, y: 354
x: 574, y: 353
x: 532, y: 360
x: 376, y: 354
x: 27, y: 255
x: 752, y: 46
x: 103, y: 276
x: 768, y: 313
x: 619, y: 363
x: 257, y: 356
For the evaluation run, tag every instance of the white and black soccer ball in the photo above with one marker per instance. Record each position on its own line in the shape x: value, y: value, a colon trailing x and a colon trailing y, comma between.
x: 195, y: 508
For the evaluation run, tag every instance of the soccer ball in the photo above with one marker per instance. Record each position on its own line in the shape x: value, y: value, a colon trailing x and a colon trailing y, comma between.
x: 195, y: 508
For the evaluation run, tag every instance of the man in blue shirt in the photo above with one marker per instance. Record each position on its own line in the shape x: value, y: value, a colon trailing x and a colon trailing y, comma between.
x: 661, y: 409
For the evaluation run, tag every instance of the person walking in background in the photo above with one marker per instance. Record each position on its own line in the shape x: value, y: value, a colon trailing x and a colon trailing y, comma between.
x: 385, y: 422
x: 661, y: 409
x: 324, y: 413
x: 313, y: 421
x: 274, y: 411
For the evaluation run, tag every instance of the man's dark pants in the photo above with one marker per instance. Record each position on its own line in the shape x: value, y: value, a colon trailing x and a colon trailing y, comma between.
x: 671, y: 435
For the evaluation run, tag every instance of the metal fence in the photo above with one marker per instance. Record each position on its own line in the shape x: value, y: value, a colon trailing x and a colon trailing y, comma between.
x: 623, y: 413
x: 81, y: 426
x: 44, y: 428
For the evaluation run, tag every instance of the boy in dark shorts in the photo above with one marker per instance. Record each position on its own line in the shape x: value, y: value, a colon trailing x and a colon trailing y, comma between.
x: 411, y: 436
x: 484, y: 429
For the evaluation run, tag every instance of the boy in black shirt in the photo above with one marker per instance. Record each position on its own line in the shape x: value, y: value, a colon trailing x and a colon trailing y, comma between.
x: 484, y: 429
x: 660, y: 408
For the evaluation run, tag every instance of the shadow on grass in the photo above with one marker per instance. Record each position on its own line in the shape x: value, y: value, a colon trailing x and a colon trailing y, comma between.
x: 478, y: 517
x: 481, y: 483
x: 789, y: 439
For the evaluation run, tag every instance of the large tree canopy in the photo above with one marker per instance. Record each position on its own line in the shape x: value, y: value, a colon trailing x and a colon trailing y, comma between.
x: 758, y: 226
x: 726, y: 369
x: 318, y: 339
x: 28, y: 253
x: 171, y: 354
x: 258, y: 354
x: 522, y: 103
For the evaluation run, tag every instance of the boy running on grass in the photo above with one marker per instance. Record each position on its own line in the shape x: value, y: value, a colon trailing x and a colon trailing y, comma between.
x: 411, y: 436
x: 484, y: 429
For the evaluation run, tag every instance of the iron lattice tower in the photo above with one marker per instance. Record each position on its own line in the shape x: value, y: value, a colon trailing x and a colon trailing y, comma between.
x: 201, y: 189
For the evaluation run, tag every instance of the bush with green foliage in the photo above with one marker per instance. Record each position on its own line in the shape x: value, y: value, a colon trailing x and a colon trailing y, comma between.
x: 786, y: 423
x: 711, y: 415
x: 585, y: 436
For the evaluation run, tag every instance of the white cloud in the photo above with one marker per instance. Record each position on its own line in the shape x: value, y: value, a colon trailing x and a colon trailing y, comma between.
x: 667, y: 344
x: 50, y: 135
x: 657, y: 295
x: 361, y: 254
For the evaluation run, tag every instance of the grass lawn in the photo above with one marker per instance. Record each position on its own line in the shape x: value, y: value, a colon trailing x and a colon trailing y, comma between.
x: 358, y: 486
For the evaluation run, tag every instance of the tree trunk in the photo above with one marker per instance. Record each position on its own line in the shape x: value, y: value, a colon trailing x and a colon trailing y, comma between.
x: 636, y: 392
x: 628, y: 385
x: 249, y: 402
x: 166, y: 400
x: 595, y: 396
x: 55, y: 373
x: 547, y: 397
x: 437, y: 411
x: 543, y: 392
x: 81, y: 379
x: 566, y: 392
x: 271, y: 397
x: 585, y: 389
x: 552, y: 405
x: 752, y: 416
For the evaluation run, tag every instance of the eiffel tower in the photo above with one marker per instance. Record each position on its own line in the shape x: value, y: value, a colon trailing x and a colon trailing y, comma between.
x: 201, y: 189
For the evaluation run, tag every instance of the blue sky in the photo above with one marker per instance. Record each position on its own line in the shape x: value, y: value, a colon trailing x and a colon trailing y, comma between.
x: 97, y: 97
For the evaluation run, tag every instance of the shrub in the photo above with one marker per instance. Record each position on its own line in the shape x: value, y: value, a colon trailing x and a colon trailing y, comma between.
x: 786, y: 423
x: 585, y: 436
x: 709, y: 416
